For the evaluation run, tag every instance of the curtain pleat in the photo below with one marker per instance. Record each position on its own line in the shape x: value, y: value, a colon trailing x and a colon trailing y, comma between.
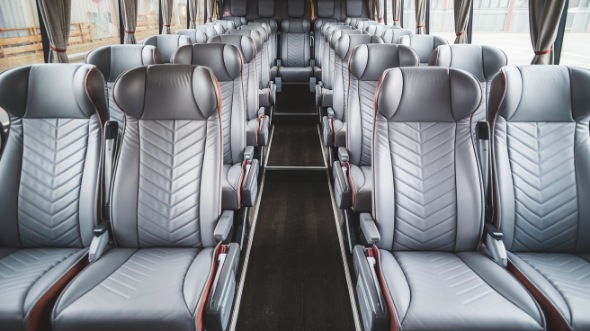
x: 56, y: 16
x: 544, y: 16
x: 129, y: 13
x: 396, y: 11
x: 193, y: 10
x: 420, y: 16
x: 167, y: 6
x: 462, y: 8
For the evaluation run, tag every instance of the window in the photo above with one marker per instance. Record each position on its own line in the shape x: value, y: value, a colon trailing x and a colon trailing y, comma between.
x: 93, y: 24
x: 504, y: 24
x: 20, y: 36
x: 179, y: 17
x: 148, y: 19
x: 409, y: 15
x: 577, y: 34
x: 442, y: 19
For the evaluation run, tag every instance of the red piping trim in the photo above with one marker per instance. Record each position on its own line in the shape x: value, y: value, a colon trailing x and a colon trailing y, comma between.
x: 392, y: 320
x: 200, y: 310
x: 543, y: 52
x: 55, y: 49
x: 130, y: 31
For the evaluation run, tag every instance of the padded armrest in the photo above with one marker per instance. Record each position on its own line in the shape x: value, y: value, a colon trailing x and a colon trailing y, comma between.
x: 263, y: 130
x: 327, y: 129
x: 250, y: 184
x: 342, y: 193
x: 224, y: 226
x: 219, y: 303
x: 369, y: 228
x: 264, y: 97
x: 249, y: 153
x: 343, y: 154
x: 372, y: 307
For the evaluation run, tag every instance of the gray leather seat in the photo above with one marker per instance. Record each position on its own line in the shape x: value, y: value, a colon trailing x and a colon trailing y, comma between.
x: 219, y: 27
x: 226, y: 63
x: 114, y: 60
x: 541, y: 159
x: 361, y: 25
x: 424, y: 45
x: 295, y: 50
x: 367, y: 64
x: 166, y: 201
x: 429, y: 210
x: 324, y: 89
x: 391, y: 36
x: 167, y: 44
x: 235, y: 11
x: 197, y: 36
x: 49, y: 174
x: 318, y: 25
x: 228, y: 25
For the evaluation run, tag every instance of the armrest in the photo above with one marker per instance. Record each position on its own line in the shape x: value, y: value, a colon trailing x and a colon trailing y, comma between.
x: 263, y: 130
x: 264, y: 97
x: 369, y: 228
x: 249, y: 189
x: 342, y: 193
x: 99, y: 242
x: 372, y: 306
x: 343, y: 154
x: 495, y: 245
x: 327, y: 128
x: 224, y: 226
x: 249, y: 153
x: 221, y: 297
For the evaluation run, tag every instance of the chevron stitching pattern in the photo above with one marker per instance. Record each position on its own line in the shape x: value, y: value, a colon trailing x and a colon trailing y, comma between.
x: 259, y: 69
x: 115, y: 112
x: 345, y: 78
x: 171, y: 158
x: 569, y: 274
x: 425, y: 194
x: 143, y: 272
x: 54, y: 155
x: 543, y: 173
x: 367, y: 91
x: 227, y: 93
x: 295, y: 49
x: 20, y: 270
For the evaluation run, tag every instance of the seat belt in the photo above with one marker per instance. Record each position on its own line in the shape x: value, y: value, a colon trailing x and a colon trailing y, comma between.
x: 111, y: 137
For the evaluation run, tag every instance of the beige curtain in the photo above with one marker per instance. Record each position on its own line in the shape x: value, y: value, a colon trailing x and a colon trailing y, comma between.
x: 193, y: 10
x: 462, y: 8
x: 544, y: 16
x: 420, y: 16
x: 56, y: 16
x: 396, y: 10
x: 129, y: 13
x: 379, y: 10
x: 212, y: 10
x: 167, y: 6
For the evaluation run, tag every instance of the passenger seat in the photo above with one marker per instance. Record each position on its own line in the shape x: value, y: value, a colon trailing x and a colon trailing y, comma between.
x: 391, y: 36
x: 197, y: 36
x: 167, y: 44
x: 295, y: 50
x: 424, y: 45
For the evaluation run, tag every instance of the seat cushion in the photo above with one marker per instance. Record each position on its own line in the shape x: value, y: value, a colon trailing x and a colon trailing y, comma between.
x: 362, y: 187
x: 230, y: 183
x: 563, y: 279
x: 295, y: 74
x: 456, y: 291
x: 137, y: 289
x: 26, y: 275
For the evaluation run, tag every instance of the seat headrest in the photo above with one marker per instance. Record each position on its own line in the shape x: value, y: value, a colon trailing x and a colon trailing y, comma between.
x: 537, y: 93
x: 229, y: 25
x: 265, y: 25
x: 427, y: 94
x: 482, y: 61
x: 354, y: 8
x: 361, y: 25
x: 168, y: 92
x: 218, y: 27
x: 295, y: 25
x: 325, y: 8
x: 319, y: 23
x: 238, y: 7
x: 167, y: 40
x: 244, y: 43
x: 391, y: 36
x: 196, y: 36
x: 296, y: 8
x: 337, y: 33
x: 274, y: 27
x: 266, y: 8
x: 54, y: 91
x: 262, y: 32
x: 116, y: 59
x: 254, y: 34
x: 224, y: 60
x: 423, y: 44
x: 369, y: 61
x: 348, y: 42
x: 329, y: 28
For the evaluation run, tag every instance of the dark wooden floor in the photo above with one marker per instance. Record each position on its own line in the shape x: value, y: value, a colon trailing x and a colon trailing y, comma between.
x: 295, y: 98
x: 296, y: 145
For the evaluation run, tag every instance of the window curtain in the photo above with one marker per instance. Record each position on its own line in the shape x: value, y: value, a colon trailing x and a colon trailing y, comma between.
x: 213, y: 10
x: 193, y: 10
x: 420, y: 16
x: 544, y: 16
x: 379, y: 10
x: 167, y: 6
x: 462, y: 8
x: 129, y: 13
x: 396, y: 11
x: 56, y: 16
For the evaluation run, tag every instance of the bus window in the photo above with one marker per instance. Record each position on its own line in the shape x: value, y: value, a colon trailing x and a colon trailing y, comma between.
x: 577, y: 34
x: 442, y: 19
x: 20, y: 36
x: 148, y: 19
x: 179, y: 17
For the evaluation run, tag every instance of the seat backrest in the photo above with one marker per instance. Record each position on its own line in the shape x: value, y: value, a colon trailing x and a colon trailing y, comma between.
x: 326, y: 10
x: 391, y: 36
x: 423, y: 44
x: 256, y: 67
x: 367, y: 64
x: 428, y: 191
x: 229, y: 25
x: 262, y: 56
x: 114, y: 60
x: 375, y: 29
x: 197, y: 36
x: 318, y: 26
x: 328, y: 53
x: 236, y: 12
x: 271, y: 38
x: 167, y: 181
x: 541, y: 157
x: 226, y: 63
x: 49, y: 170
x: 167, y: 44
x: 482, y: 61
x: 295, y: 50
x: 219, y: 27
x: 248, y: 51
x: 335, y: 66
x: 361, y: 25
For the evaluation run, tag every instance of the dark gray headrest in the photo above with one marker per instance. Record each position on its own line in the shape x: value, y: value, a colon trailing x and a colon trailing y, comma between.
x: 337, y: 33
x: 319, y: 23
x: 168, y: 92
x: 262, y: 32
x: 265, y: 25
x: 354, y: 8
x: 53, y: 91
x: 329, y: 28
x: 348, y: 42
x: 423, y: 44
x: 238, y: 7
x: 167, y: 40
x: 391, y: 36
x: 266, y: 8
x: 427, y: 94
x: 325, y: 8
x: 295, y: 25
x: 217, y: 27
x: 116, y: 59
x: 538, y: 93
x: 480, y: 60
x: 369, y: 61
x: 274, y: 27
x: 296, y: 8
x: 244, y: 43
x: 196, y: 36
x: 225, y: 60
x: 254, y: 34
